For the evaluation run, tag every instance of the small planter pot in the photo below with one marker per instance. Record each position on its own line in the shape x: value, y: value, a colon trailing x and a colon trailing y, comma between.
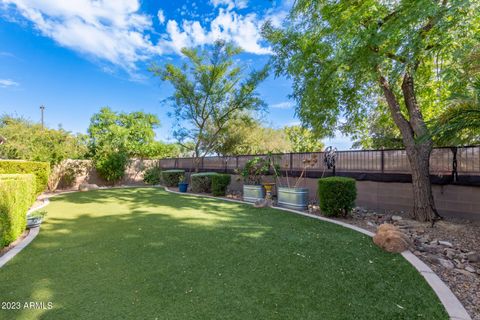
x: 33, y: 222
x: 293, y: 198
x: 182, y: 187
x: 252, y: 193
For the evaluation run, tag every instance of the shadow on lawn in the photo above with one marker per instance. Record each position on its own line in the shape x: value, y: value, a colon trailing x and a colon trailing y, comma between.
x: 176, y: 257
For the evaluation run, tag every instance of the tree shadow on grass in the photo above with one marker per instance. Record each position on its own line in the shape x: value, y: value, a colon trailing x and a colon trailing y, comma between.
x: 148, y: 254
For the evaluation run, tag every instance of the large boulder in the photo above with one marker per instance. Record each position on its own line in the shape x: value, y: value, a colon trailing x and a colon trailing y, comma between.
x: 390, y: 238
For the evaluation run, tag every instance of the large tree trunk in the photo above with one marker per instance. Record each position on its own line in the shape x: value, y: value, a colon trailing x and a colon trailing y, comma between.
x: 418, y: 152
x: 423, y: 203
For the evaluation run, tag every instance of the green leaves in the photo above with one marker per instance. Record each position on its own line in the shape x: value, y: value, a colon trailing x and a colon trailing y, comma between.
x: 335, y: 52
x: 209, y: 92
x: 132, y: 133
x: 29, y: 141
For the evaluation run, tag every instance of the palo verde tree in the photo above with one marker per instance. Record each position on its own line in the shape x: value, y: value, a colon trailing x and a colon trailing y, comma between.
x: 210, y: 91
x: 345, y: 55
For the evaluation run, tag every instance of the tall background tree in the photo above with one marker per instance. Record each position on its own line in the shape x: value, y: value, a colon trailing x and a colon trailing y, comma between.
x: 27, y: 140
x: 343, y: 56
x: 210, y: 91
x: 302, y: 139
x: 114, y: 137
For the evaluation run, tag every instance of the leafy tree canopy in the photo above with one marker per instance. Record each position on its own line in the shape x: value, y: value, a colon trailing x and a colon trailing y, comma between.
x: 303, y: 140
x: 29, y: 141
x: 210, y: 90
x: 335, y: 51
x: 132, y: 133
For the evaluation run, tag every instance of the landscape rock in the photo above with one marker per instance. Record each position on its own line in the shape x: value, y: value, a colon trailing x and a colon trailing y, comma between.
x: 470, y: 269
x: 473, y: 257
x: 396, y: 218
x: 446, y: 263
x: 87, y: 186
x: 262, y: 203
x: 445, y: 243
x: 390, y: 238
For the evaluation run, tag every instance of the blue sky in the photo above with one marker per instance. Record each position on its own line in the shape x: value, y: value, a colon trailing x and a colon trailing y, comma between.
x: 77, y: 56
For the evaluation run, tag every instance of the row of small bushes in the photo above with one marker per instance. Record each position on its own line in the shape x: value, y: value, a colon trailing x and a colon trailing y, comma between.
x: 204, y: 182
x: 41, y: 170
x: 17, y: 193
x: 337, y: 195
x: 170, y: 178
x: 210, y: 182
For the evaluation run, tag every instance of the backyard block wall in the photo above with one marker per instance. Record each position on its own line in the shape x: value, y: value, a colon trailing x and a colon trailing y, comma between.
x: 451, y: 200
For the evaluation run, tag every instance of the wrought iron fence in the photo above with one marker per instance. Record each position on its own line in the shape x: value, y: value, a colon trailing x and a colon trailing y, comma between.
x: 447, y: 164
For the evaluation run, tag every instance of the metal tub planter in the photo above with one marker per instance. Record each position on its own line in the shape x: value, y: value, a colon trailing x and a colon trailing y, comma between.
x: 252, y: 193
x: 293, y: 198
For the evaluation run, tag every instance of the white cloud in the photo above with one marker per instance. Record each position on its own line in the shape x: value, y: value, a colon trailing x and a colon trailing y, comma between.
x: 243, y: 30
x: 283, y: 105
x: 117, y: 32
x: 109, y: 30
x: 161, y: 16
x: 230, y: 4
x: 6, y: 83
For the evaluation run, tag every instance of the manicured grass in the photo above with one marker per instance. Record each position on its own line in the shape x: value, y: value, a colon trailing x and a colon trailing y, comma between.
x: 146, y: 254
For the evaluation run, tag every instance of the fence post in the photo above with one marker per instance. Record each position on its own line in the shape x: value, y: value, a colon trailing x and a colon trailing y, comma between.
x: 454, y: 164
x: 176, y: 163
x: 236, y: 162
x: 202, y: 165
x: 291, y: 163
x: 382, y: 158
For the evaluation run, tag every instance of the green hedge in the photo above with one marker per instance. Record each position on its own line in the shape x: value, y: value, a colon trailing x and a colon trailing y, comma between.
x: 202, y: 182
x: 337, y: 195
x: 17, y: 193
x: 171, y: 178
x: 152, y: 175
x: 220, y: 183
x: 41, y: 170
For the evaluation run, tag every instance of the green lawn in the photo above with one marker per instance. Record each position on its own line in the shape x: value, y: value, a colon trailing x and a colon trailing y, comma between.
x: 146, y: 254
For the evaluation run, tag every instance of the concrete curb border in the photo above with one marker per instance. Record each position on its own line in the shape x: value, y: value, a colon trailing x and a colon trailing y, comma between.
x: 452, y: 305
x: 19, y: 247
x: 32, y: 233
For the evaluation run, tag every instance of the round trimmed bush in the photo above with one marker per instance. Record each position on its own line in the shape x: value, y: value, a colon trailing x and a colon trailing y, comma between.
x: 337, y: 195
x: 171, y: 178
x: 152, y: 175
x: 220, y: 183
x: 111, y: 166
x: 202, y: 182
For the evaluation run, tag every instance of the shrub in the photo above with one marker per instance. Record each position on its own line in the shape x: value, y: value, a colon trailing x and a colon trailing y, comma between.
x: 337, y: 195
x: 254, y: 169
x: 220, y: 183
x: 152, y: 175
x: 171, y: 178
x: 17, y: 193
x: 202, y: 182
x: 41, y: 170
x: 111, y: 166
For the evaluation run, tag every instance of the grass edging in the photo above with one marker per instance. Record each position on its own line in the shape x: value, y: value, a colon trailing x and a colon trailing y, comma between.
x: 450, y: 302
x: 32, y: 233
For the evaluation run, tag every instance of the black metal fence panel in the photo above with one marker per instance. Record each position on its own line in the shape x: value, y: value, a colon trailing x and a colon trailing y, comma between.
x: 446, y: 164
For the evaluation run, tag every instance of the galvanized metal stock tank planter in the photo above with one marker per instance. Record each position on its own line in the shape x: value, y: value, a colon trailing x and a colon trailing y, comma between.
x: 293, y: 198
x: 252, y: 193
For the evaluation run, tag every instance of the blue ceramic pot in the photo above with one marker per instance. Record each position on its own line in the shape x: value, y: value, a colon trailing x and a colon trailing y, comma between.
x: 182, y: 187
